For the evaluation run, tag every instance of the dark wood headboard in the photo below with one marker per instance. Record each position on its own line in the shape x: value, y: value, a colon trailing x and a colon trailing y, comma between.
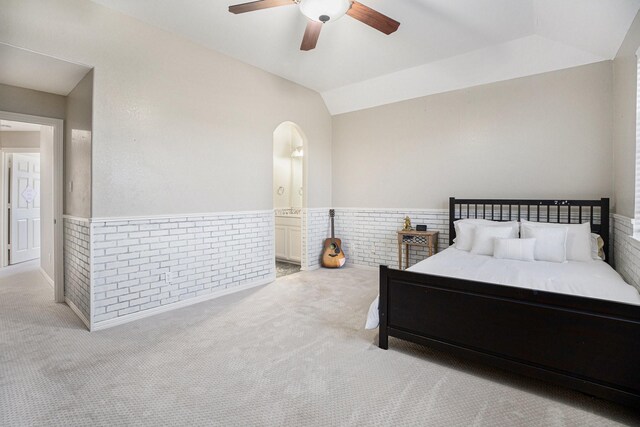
x: 596, y: 212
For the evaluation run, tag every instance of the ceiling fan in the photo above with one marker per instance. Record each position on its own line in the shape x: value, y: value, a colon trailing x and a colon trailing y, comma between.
x: 322, y: 11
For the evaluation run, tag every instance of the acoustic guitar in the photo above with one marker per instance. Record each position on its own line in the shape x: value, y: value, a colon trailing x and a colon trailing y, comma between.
x: 332, y: 255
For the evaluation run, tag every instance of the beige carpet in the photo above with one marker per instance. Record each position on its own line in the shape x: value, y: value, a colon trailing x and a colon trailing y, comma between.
x: 290, y: 353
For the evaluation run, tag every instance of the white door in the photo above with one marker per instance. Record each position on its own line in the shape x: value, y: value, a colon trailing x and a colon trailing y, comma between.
x: 25, y: 207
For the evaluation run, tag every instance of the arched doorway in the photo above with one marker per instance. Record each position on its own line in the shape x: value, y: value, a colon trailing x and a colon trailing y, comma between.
x: 289, y: 196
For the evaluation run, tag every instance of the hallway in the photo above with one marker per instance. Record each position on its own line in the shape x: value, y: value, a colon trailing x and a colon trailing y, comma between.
x: 23, y: 287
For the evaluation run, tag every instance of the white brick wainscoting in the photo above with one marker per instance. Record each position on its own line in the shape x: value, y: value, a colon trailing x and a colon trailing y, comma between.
x: 626, y: 250
x: 369, y: 236
x: 119, y: 269
x: 77, y: 267
x: 142, y: 266
x: 315, y: 228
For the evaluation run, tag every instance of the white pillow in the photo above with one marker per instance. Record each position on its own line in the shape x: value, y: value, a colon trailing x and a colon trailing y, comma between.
x: 485, y: 235
x: 551, y: 242
x: 465, y: 230
x: 578, y: 239
x: 464, y: 235
x: 518, y: 249
x: 597, y: 247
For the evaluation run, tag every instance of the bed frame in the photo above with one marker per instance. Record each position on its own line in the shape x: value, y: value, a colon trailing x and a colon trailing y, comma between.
x: 582, y: 343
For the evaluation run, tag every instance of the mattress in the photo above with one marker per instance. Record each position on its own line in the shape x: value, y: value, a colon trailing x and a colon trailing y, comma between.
x: 593, y: 279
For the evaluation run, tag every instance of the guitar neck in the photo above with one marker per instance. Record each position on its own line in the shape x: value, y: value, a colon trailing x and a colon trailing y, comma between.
x: 331, y: 215
x: 332, y: 233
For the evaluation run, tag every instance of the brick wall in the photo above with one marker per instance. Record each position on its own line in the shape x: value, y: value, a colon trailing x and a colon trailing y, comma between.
x: 315, y: 228
x: 77, y: 277
x: 202, y: 256
x: 369, y: 236
x: 626, y: 250
x: 212, y: 254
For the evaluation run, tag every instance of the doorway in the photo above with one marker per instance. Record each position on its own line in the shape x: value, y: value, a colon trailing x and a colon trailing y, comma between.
x: 289, y: 196
x: 31, y: 150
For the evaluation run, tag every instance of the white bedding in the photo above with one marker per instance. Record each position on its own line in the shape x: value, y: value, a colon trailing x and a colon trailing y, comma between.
x: 594, y: 279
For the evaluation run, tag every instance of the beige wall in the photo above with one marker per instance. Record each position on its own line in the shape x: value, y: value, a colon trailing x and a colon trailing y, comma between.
x: 46, y: 200
x: 26, y: 101
x: 545, y: 136
x: 9, y: 139
x: 177, y: 128
x: 624, y: 122
x: 77, y: 149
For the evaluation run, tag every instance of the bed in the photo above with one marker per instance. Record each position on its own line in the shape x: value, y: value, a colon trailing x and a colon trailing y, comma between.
x: 589, y: 342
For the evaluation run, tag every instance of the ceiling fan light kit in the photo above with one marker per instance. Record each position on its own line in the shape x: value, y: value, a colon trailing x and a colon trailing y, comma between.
x: 323, y: 11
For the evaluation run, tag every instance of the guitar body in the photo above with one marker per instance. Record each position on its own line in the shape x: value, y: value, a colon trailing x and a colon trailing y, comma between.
x: 332, y: 255
x: 331, y: 259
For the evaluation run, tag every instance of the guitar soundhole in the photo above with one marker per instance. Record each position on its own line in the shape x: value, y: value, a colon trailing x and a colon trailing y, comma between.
x: 335, y: 249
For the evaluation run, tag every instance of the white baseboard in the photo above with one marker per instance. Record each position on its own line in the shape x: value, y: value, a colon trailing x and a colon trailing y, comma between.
x: 77, y: 311
x: 180, y: 304
x: 315, y: 267
x: 46, y: 276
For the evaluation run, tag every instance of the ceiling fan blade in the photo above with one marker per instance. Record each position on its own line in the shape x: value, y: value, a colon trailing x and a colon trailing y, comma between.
x: 311, y: 34
x: 373, y: 18
x: 257, y: 5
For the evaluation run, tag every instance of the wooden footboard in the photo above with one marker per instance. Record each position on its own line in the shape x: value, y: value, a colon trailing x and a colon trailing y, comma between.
x: 582, y: 343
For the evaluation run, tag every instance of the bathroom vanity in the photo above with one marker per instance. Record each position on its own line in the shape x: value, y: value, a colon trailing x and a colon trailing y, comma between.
x: 288, y: 235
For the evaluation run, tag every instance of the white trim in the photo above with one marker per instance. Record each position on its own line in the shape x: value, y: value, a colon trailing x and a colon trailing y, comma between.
x: 58, y: 192
x: 20, y: 150
x: 4, y: 201
x: 92, y: 296
x: 398, y: 210
x: 77, y: 311
x: 634, y: 239
x: 185, y: 303
x: 58, y: 209
x: 173, y: 216
x: 622, y: 217
x: 315, y: 267
x: 77, y: 218
x: 635, y: 242
x: 314, y: 209
x: 46, y: 276
x: 49, y: 56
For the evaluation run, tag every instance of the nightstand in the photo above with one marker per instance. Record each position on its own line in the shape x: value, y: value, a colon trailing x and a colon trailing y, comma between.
x: 427, y: 239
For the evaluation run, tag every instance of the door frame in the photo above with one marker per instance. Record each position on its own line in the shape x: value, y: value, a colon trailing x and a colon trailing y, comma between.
x: 304, y: 259
x: 58, y: 193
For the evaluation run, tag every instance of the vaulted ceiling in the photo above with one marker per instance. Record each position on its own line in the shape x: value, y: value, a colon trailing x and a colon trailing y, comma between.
x: 23, y: 68
x: 441, y: 45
